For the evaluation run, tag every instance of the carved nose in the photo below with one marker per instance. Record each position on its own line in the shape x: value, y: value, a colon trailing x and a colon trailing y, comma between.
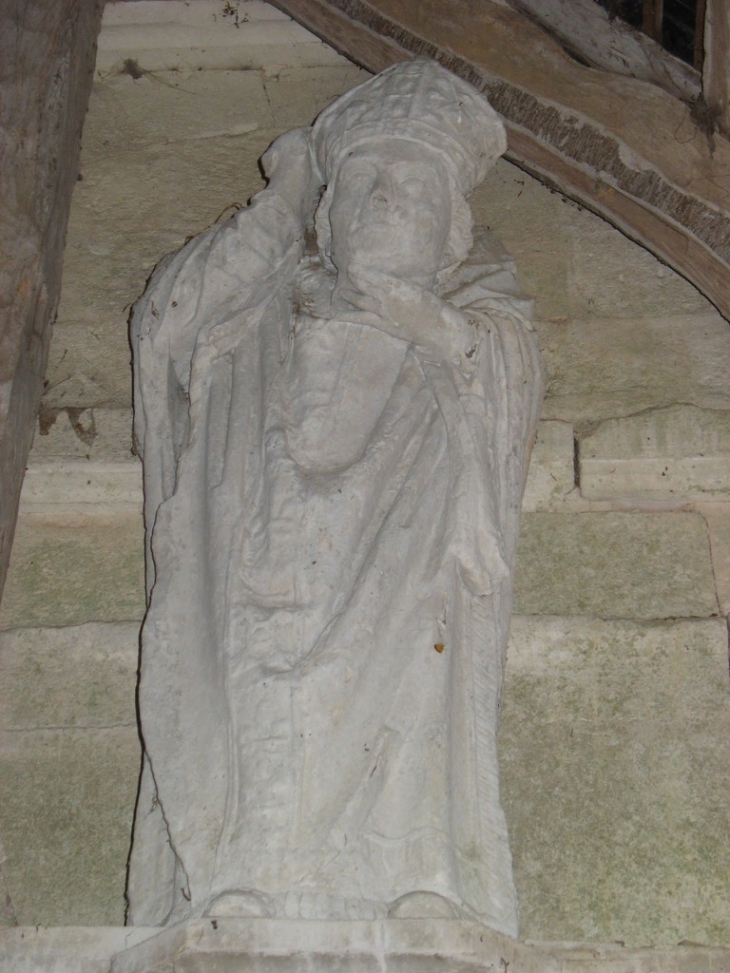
x: 378, y: 198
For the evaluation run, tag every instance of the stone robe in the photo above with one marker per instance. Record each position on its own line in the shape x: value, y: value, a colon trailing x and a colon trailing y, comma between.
x: 331, y: 520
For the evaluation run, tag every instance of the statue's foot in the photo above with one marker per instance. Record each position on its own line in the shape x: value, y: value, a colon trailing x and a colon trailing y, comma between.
x: 423, y: 905
x: 241, y: 905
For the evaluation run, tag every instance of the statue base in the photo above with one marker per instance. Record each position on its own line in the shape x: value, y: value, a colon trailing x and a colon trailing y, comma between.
x: 390, y: 946
x: 316, y: 946
x: 293, y: 946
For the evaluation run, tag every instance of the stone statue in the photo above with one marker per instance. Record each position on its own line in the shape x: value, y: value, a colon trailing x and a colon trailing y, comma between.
x: 336, y: 394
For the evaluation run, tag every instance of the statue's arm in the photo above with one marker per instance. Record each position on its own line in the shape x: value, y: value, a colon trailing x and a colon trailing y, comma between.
x: 436, y: 329
x: 220, y: 279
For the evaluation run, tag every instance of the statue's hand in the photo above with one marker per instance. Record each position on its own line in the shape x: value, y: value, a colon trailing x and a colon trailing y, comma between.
x: 292, y: 172
x: 408, y: 311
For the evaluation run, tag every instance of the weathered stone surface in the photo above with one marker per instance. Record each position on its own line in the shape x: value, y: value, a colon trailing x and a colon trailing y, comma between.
x: 615, y: 565
x: 551, y: 476
x: 91, y: 435
x: 717, y: 516
x: 570, y: 260
x: 679, y: 452
x: 82, y: 458
x: 303, y: 565
x: 615, y: 759
x: 205, y: 35
x: 66, y: 817
x: 83, y: 676
x: 296, y: 94
x: 65, y: 571
x: 601, y: 368
x: 387, y: 946
x: 68, y: 770
x: 66, y: 949
x: 166, y: 156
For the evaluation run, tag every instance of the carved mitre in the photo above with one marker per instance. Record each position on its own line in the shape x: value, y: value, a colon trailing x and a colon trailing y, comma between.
x: 419, y: 101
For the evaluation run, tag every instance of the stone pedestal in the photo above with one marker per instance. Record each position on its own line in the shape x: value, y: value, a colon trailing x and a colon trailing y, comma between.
x: 312, y: 946
x: 295, y: 946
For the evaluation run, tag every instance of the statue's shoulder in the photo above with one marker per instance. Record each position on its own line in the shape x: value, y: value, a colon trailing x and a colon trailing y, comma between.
x: 487, y: 281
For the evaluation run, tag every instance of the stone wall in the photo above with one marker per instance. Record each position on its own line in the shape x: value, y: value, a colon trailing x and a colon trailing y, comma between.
x: 615, y: 743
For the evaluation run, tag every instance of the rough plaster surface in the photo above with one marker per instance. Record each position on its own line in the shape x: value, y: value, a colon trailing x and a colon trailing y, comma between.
x: 615, y: 565
x: 65, y: 570
x: 615, y: 760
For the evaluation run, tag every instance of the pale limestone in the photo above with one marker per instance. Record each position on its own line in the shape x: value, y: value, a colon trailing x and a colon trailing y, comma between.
x: 90, y: 435
x: 573, y: 262
x: 99, y: 486
x: 606, y: 368
x: 351, y: 947
x: 295, y: 94
x: 65, y: 570
x: 66, y: 818
x: 679, y: 452
x: 615, y: 758
x: 164, y: 157
x: 551, y: 477
x: 65, y: 949
x: 82, y: 676
x: 616, y: 565
x: 279, y: 947
x: 172, y: 37
x: 335, y: 443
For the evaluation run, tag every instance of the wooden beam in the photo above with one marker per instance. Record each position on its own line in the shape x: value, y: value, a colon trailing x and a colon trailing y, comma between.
x: 716, y: 64
x: 47, y: 51
x: 624, y: 148
x: 587, y: 31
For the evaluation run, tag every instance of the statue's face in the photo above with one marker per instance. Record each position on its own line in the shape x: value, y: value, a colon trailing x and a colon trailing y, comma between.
x: 391, y: 210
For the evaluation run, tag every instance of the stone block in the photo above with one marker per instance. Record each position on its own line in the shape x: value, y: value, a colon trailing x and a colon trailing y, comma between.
x: 679, y: 452
x: 603, y: 368
x: 386, y: 946
x: 165, y: 157
x: 534, y: 226
x: 68, y: 770
x: 167, y: 36
x: 90, y: 435
x: 172, y: 108
x: 611, y: 276
x: 551, y: 476
x: 573, y: 262
x: 66, y: 817
x: 66, y: 570
x: 83, y: 676
x: 297, y: 95
x: 717, y: 517
x: 615, y: 565
x: 615, y: 763
x: 66, y: 949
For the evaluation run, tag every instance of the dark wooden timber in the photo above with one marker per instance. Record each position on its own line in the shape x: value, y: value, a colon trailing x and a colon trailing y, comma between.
x: 47, y: 52
x: 627, y: 149
x: 585, y: 30
x: 716, y: 65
